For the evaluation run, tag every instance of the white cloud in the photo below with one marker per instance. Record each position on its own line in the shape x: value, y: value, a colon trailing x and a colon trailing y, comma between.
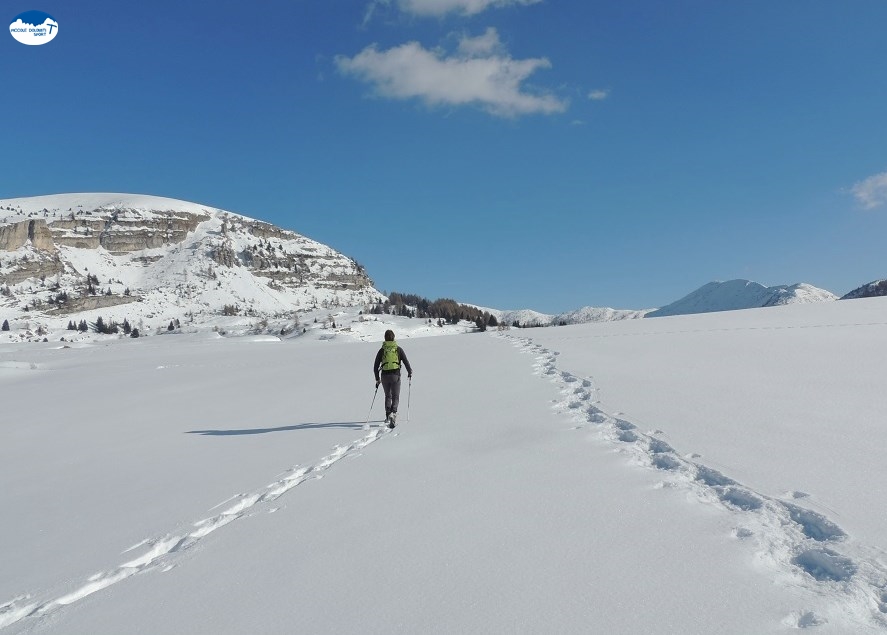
x: 871, y: 192
x: 371, y: 10
x: 599, y: 95
x: 480, y: 73
x: 465, y: 7
x: 486, y: 44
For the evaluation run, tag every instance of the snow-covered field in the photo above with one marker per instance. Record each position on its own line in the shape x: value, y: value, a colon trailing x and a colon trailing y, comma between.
x: 716, y: 473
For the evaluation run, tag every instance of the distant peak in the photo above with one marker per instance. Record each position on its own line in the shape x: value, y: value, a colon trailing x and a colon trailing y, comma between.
x: 739, y: 294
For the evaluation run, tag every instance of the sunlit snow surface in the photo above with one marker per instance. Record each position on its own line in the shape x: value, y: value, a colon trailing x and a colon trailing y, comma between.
x: 694, y: 474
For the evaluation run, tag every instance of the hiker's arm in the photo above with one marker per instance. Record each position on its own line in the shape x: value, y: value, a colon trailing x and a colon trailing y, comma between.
x: 406, y: 362
x: 376, y: 363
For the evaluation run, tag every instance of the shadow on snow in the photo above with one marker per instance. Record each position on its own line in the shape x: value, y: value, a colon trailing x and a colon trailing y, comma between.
x: 353, y: 425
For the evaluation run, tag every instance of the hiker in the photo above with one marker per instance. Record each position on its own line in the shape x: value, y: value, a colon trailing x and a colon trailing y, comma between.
x: 389, y: 359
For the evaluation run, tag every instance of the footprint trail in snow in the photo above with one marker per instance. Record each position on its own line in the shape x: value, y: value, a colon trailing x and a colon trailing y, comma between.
x: 160, y: 552
x: 798, y: 545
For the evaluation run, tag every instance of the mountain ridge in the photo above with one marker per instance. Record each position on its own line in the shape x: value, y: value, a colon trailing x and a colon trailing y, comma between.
x: 733, y: 295
x: 143, y: 257
x: 873, y: 289
x: 164, y: 259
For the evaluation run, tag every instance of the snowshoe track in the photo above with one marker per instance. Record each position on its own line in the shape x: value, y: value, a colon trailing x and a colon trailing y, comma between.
x: 798, y: 545
x: 161, y: 551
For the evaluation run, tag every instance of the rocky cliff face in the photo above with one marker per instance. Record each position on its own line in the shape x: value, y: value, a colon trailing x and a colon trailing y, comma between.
x: 121, y: 232
x: 18, y: 234
x: 78, y: 253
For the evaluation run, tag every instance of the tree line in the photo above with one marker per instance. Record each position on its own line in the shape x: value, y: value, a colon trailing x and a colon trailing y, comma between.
x: 107, y: 328
x: 445, y: 309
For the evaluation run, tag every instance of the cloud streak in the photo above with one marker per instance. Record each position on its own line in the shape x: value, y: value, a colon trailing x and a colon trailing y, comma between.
x: 437, y: 8
x: 599, y: 94
x: 871, y: 192
x: 480, y: 73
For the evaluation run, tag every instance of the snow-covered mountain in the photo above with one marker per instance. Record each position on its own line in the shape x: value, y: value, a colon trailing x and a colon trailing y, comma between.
x: 712, y: 297
x: 528, y: 317
x: 742, y: 294
x: 152, y: 260
x: 870, y: 290
x: 593, y: 314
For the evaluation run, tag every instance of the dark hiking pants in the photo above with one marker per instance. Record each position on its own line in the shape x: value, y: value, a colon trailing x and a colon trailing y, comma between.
x: 391, y: 386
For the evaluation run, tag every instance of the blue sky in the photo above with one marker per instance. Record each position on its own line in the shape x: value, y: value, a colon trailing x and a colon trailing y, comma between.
x: 545, y: 154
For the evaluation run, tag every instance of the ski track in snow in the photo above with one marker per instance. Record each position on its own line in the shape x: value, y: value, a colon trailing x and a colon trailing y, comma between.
x: 162, y: 551
x: 799, y: 546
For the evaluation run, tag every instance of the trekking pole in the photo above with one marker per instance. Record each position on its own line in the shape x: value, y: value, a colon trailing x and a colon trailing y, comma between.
x: 366, y: 425
x: 409, y: 394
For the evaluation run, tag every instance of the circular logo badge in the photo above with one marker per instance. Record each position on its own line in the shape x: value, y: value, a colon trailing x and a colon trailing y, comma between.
x: 34, y: 28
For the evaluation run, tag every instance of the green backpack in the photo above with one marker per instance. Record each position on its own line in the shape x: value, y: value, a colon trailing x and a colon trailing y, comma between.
x: 390, y: 358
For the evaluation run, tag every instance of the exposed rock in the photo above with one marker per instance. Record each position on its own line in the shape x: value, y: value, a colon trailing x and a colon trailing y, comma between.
x: 119, y: 234
x: 18, y: 234
x: 224, y: 255
x: 266, y: 230
x: 88, y: 303
x: 39, y: 268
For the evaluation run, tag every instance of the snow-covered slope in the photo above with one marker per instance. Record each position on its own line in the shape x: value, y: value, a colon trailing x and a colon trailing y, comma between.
x: 14, y: 209
x: 871, y: 290
x: 742, y: 294
x: 152, y: 261
x: 593, y: 314
x: 717, y: 473
x: 528, y: 317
